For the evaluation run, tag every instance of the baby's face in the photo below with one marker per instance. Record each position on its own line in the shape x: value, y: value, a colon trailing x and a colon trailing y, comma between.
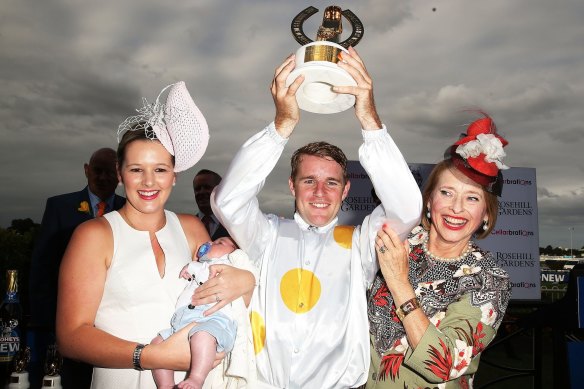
x: 221, y: 247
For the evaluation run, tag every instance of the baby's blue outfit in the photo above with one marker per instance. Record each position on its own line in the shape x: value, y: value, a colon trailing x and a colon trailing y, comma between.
x: 220, y: 324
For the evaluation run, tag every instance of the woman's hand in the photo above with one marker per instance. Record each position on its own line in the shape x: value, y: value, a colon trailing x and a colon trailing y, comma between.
x: 226, y: 283
x: 392, y: 255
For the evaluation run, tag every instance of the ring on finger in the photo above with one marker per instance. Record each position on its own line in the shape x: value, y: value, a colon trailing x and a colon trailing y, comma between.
x: 382, y: 249
x: 217, y: 299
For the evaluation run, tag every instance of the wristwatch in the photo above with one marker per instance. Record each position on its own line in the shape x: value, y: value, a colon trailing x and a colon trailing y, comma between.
x: 407, y: 307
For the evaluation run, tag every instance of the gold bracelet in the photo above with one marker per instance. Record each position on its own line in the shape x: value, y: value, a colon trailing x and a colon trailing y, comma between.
x: 407, y: 307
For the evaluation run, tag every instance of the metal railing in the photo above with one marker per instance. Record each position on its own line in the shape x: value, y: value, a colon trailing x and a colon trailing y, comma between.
x: 508, y: 372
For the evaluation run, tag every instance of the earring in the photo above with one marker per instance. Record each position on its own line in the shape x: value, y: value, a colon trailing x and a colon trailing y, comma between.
x: 428, y: 216
x: 485, y: 225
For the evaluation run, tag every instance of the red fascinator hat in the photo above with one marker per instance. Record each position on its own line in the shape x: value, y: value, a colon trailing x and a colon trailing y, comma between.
x: 478, y: 154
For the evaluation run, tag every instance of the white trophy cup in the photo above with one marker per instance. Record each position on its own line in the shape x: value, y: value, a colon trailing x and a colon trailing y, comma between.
x: 317, y: 61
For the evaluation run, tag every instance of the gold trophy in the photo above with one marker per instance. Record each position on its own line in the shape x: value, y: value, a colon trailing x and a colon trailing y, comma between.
x: 317, y: 60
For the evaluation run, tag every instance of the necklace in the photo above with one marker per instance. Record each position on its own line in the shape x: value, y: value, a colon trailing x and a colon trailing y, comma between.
x: 441, y: 259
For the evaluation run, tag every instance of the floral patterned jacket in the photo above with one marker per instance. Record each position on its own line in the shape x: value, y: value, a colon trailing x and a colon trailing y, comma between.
x: 465, y: 301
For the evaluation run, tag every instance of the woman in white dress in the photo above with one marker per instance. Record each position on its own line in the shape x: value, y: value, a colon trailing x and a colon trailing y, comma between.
x: 119, y: 280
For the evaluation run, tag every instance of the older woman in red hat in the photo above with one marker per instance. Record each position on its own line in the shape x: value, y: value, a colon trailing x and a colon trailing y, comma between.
x: 439, y: 298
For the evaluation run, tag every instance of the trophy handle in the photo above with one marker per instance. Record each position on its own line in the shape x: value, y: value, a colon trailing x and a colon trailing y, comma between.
x: 357, y: 29
x: 298, y: 32
x: 297, y: 23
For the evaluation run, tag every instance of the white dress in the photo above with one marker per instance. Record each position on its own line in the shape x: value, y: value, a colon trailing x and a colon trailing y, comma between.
x: 137, y: 302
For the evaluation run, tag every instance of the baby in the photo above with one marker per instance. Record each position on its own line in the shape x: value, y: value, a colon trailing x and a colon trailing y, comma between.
x: 214, y: 333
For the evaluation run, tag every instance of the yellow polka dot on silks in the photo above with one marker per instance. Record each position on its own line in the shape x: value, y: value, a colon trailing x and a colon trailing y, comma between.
x: 344, y: 236
x: 300, y: 290
x: 258, y: 329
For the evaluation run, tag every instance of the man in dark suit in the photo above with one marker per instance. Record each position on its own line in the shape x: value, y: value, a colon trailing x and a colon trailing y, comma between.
x: 203, y: 184
x: 62, y: 214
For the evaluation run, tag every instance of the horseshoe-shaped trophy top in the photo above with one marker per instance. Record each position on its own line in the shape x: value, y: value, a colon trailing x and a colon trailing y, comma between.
x: 298, y: 32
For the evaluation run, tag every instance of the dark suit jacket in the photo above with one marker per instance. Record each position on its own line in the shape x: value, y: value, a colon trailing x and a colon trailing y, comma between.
x: 220, y: 233
x: 61, y: 216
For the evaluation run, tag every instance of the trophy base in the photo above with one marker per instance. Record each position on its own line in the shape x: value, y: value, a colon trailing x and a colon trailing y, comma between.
x: 18, y: 381
x: 316, y: 61
x: 52, y: 382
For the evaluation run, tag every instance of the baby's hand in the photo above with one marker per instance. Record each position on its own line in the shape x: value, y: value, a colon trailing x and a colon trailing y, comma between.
x: 184, y: 273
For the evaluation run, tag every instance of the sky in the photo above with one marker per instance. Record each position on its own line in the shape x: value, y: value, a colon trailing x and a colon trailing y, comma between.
x: 71, y: 71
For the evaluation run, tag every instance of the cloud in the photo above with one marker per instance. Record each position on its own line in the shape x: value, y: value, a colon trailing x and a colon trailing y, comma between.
x: 71, y: 72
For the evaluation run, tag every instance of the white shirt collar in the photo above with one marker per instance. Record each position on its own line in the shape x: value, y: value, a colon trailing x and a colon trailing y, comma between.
x: 307, y: 227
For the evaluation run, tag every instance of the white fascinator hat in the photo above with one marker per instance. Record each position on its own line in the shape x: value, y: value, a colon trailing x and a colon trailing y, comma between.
x: 178, y: 124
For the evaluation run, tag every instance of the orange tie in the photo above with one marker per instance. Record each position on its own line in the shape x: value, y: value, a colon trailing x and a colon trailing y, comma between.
x: 101, y: 208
